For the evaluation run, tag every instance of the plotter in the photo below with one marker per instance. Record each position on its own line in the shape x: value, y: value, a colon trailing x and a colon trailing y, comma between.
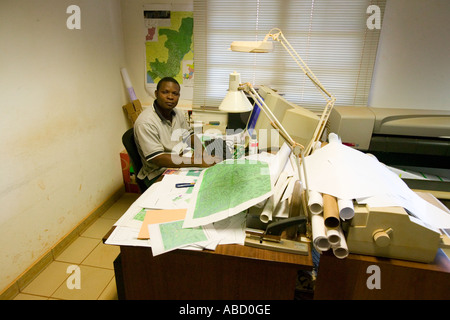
x: 399, y: 136
x: 407, y: 138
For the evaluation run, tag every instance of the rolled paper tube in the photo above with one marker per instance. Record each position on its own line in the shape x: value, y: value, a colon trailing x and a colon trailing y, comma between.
x: 330, y: 211
x: 126, y: 78
x: 346, y: 209
x: 341, y: 250
x: 333, y: 236
x: 333, y: 137
x: 315, y: 202
x: 280, y: 161
x: 128, y: 85
x: 280, y: 186
x: 131, y: 94
x: 316, y: 146
x: 320, y: 240
x: 271, y: 203
x: 266, y: 214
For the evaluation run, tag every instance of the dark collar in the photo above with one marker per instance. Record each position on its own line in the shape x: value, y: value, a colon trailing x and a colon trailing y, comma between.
x: 155, y: 106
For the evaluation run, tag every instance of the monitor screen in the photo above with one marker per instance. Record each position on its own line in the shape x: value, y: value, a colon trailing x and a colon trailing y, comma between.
x: 299, y: 122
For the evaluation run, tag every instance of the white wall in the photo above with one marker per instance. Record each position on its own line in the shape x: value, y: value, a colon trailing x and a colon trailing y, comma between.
x: 413, y: 65
x: 61, y: 122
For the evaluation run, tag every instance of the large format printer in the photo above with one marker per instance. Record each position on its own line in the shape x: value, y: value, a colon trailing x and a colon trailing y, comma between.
x: 398, y: 137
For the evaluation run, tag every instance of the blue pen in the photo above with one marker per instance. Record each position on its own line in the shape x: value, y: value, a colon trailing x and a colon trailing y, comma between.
x: 184, y: 185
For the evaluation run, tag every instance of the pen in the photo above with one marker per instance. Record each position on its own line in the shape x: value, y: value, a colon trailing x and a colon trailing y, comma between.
x: 184, y: 185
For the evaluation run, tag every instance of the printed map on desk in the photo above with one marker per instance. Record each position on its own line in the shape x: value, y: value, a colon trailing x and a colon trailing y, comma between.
x: 171, y: 235
x: 226, y: 189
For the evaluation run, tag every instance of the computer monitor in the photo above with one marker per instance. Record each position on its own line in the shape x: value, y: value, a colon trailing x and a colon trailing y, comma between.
x: 299, y: 122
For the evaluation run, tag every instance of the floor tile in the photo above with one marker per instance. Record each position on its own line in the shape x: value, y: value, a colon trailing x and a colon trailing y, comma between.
x: 78, y: 250
x: 120, y: 206
x: 25, y: 296
x: 87, y: 252
x: 99, y: 228
x: 93, y: 282
x: 102, y: 256
x: 48, y: 280
x: 110, y: 292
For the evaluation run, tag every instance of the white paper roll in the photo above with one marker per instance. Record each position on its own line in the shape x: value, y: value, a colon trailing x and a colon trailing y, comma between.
x: 315, y: 202
x: 266, y: 214
x: 341, y: 250
x: 346, y: 209
x: 128, y: 85
x: 316, y: 146
x: 278, y: 164
x: 333, y: 236
x: 320, y: 240
x: 272, y: 202
x: 126, y: 78
x: 280, y: 186
x: 333, y: 137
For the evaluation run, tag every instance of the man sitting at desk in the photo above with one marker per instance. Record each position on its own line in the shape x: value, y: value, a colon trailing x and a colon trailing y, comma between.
x: 160, y: 132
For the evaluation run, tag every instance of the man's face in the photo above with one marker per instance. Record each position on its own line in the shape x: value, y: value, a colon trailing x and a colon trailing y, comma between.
x: 167, y: 96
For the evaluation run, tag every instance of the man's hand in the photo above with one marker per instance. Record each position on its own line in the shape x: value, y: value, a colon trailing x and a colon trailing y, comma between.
x: 206, y: 160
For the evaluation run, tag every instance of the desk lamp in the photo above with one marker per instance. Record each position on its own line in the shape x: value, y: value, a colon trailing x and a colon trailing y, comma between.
x: 264, y: 46
x: 235, y: 100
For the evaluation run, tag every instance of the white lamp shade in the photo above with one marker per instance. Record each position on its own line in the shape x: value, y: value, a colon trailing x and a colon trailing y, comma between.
x: 235, y: 101
x: 252, y: 46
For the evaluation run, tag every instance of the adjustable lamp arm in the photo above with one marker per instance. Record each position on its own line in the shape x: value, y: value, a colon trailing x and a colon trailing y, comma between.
x: 278, y: 36
x: 296, y: 147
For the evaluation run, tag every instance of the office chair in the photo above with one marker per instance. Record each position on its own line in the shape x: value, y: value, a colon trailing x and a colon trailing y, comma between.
x: 135, y: 158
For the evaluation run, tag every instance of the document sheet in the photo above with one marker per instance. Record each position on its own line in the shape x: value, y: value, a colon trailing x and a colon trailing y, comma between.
x: 347, y: 173
x: 226, y: 189
x: 156, y: 219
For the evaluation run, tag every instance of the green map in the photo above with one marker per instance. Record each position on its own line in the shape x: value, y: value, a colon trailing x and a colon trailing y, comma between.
x: 169, y: 47
x: 231, y: 183
x: 173, y: 235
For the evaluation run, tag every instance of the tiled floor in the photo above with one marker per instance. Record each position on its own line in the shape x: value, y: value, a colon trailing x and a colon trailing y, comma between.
x: 94, y: 259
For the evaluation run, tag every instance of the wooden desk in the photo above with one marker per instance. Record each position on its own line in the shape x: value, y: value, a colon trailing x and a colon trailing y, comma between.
x: 231, y: 272
x: 405, y: 280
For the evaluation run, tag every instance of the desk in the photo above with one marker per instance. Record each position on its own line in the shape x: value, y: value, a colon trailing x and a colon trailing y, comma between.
x: 234, y: 272
x: 400, y: 280
x: 231, y: 272
x: 238, y: 272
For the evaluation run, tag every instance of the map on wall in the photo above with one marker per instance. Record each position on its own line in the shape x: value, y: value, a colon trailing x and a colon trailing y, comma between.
x: 169, y: 48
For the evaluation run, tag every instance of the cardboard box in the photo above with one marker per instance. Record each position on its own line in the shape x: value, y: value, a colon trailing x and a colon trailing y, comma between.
x: 129, y: 176
x: 133, y: 109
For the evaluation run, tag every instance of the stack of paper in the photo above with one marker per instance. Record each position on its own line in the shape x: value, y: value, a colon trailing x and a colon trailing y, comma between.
x: 346, y: 173
x: 158, y: 218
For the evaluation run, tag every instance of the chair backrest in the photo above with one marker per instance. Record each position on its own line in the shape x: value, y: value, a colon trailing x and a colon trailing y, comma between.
x: 135, y: 158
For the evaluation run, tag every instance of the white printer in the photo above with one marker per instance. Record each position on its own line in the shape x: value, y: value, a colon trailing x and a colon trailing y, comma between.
x: 418, y: 137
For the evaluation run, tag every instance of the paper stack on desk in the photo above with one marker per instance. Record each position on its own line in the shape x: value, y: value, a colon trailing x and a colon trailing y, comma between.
x: 345, y: 175
x: 198, y: 217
